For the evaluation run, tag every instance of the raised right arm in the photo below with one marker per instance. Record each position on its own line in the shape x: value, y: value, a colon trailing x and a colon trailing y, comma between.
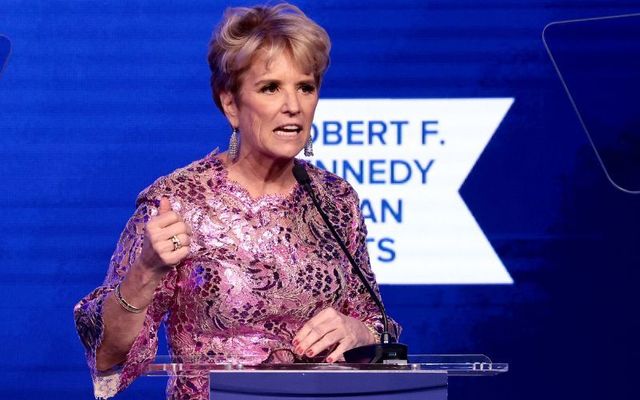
x: 120, y: 343
x: 157, y: 257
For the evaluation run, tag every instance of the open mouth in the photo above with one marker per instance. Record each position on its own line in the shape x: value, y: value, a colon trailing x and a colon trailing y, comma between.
x: 288, y: 130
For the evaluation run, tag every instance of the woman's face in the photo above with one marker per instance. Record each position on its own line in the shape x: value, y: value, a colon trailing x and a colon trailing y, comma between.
x: 273, y: 109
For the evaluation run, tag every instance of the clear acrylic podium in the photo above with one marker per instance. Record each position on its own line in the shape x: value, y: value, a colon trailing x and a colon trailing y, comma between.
x: 423, y: 377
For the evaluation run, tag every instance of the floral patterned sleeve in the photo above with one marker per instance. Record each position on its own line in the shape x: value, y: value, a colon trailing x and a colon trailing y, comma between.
x: 360, y: 305
x: 88, y: 312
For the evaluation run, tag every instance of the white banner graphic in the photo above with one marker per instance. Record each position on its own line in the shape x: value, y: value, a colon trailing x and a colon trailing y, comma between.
x: 407, y: 160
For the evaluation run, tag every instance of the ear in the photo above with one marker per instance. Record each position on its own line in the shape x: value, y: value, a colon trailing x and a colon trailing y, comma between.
x: 230, y: 108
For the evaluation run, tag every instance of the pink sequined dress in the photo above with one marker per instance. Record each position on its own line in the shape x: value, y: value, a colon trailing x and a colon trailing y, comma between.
x: 258, y: 270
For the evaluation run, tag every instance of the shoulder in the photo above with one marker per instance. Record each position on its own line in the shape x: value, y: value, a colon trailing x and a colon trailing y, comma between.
x: 192, y: 175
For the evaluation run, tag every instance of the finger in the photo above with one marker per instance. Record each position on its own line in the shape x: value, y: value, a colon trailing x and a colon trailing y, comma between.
x: 316, y: 334
x: 304, y: 332
x: 166, y: 246
x: 321, y: 318
x: 324, y: 343
x: 336, y: 355
x: 164, y: 220
x: 185, y: 240
x: 173, y: 230
x: 165, y: 206
x: 175, y: 257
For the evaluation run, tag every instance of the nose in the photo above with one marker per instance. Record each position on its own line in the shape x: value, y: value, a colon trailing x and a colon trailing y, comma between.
x: 291, y: 103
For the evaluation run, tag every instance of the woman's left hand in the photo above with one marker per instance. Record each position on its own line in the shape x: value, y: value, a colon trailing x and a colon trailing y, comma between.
x: 328, y: 328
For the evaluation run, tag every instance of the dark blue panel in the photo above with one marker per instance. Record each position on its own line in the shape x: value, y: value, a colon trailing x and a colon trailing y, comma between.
x: 599, y: 62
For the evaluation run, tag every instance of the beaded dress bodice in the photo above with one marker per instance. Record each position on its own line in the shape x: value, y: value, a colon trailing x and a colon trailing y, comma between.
x: 258, y: 269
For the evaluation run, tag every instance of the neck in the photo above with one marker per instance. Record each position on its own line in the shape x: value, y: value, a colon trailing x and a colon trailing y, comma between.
x: 261, y: 177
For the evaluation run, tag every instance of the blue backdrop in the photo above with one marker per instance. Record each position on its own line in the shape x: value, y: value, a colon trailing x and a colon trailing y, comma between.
x: 100, y: 98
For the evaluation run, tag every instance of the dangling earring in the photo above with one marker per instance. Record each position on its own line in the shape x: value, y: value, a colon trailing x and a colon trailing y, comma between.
x: 308, y: 148
x: 234, y: 144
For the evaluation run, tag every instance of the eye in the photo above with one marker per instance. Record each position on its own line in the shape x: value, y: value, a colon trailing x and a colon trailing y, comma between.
x: 270, y: 87
x: 307, y: 88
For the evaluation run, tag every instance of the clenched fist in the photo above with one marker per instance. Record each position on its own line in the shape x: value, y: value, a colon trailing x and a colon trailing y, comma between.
x: 166, y: 240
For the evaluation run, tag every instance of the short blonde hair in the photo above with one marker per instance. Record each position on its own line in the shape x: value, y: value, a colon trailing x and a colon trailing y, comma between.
x: 244, y: 31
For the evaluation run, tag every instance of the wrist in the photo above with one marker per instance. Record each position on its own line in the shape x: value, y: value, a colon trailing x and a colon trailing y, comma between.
x: 138, y: 286
x: 374, y: 335
x: 143, y: 276
x: 124, y: 303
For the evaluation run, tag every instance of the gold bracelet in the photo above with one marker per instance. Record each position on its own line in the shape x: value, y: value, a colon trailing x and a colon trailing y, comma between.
x: 374, y: 332
x: 125, y: 304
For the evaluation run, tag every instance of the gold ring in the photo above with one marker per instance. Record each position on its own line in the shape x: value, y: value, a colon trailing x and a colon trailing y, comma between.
x: 176, y: 242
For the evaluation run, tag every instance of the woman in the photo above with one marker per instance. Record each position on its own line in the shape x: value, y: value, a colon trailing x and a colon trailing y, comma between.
x: 229, y: 250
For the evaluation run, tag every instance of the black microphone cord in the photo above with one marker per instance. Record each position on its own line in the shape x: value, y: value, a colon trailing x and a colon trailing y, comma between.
x: 304, y: 180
